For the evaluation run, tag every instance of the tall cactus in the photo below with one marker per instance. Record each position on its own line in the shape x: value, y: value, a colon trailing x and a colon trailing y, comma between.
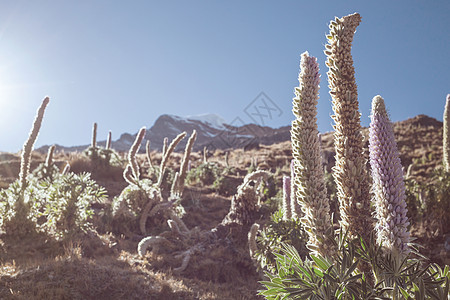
x: 350, y: 170
x: 388, y: 184
x: 309, y: 176
x: 447, y: 134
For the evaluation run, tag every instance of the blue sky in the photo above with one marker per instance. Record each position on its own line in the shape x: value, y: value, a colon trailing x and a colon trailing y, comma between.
x: 124, y: 63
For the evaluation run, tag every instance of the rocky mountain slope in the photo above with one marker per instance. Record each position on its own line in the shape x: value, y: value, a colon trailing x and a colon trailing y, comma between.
x: 212, y: 132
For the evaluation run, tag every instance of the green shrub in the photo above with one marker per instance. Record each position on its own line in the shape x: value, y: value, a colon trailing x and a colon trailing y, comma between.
x: 430, y: 201
x: 103, y: 158
x: 206, y: 173
x: 44, y: 171
x: 340, y: 277
x: 65, y: 205
x: 276, y: 232
x: 58, y: 207
x: 225, y: 185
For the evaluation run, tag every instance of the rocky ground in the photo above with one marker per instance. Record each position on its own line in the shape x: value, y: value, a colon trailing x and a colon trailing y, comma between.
x: 105, y: 266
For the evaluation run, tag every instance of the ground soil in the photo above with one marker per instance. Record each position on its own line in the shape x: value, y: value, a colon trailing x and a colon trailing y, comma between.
x: 105, y: 266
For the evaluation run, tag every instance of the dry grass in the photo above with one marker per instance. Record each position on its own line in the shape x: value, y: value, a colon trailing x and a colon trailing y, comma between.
x: 105, y: 266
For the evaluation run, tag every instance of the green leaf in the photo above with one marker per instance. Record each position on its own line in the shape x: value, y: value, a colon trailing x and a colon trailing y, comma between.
x: 320, y: 262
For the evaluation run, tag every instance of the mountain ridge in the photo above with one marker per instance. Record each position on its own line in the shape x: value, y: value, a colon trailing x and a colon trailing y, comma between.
x: 215, y: 135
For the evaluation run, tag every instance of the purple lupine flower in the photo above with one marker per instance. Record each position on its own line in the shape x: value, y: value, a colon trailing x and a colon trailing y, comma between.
x: 388, y: 184
x: 287, y: 212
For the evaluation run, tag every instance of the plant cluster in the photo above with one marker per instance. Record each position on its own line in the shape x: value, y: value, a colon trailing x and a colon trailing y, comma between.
x: 144, y: 199
x: 100, y: 160
x: 206, y: 173
x: 277, y: 231
x: 47, y: 170
x: 56, y: 204
x: 372, y: 257
x: 430, y: 202
x: 317, y: 277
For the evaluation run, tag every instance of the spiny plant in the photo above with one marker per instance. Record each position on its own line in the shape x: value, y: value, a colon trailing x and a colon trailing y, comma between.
x: 63, y: 206
x: 429, y: 201
x: 220, y: 252
x: 17, y: 199
x: 362, y: 266
x: 143, y: 198
x: 58, y: 205
x: 206, y: 173
x: 269, y: 240
x: 47, y: 170
x: 102, y: 158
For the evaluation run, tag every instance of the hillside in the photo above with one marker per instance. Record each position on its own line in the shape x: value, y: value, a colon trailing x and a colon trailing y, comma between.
x: 42, y: 268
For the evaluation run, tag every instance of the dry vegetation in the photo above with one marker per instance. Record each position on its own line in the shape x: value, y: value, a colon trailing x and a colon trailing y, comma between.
x: 102, y: 265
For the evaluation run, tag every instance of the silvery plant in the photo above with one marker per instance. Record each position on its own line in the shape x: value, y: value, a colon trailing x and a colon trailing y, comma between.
x: 46, y: 200
x: 370, y: 256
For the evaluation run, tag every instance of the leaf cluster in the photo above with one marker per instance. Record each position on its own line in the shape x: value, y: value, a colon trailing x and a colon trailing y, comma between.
x: 276, y: 232
x: 206, y: 173
x: 385, y: 276
x: 102, y: 157
x: 58, y: 207
x: 430, y: 200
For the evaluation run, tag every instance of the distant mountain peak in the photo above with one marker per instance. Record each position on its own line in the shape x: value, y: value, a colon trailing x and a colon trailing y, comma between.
x: 213, y: 120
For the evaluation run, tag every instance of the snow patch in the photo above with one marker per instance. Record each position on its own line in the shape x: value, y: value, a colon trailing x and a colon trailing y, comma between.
x: 212, y: 120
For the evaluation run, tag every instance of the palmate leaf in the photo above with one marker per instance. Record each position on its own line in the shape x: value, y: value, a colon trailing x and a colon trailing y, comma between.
x: 320, y: 262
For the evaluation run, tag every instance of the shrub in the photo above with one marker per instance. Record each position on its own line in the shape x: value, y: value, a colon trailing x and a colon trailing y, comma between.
x: 64, y: 205
x: 206, y: 173
x: 59, y: 207
x: 322, y: 278
x: 276, y: 232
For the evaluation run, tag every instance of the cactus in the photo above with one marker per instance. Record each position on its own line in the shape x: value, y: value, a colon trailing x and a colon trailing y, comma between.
x: 446, y: 134
x: 308, y: 171
x: 350, y: 171
x: 388, y: 184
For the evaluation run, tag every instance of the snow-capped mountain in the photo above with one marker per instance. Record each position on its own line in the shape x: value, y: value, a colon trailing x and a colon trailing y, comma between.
x: 212, y: 132
x: 212, y: 120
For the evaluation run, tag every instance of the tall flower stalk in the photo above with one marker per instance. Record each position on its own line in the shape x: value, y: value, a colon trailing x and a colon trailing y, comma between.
x: 309, y: 176
x: 28, y: 146
x: 447, y: 134
x: 287, y: 211
x: 350, y: 170
x: 388, y: 184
